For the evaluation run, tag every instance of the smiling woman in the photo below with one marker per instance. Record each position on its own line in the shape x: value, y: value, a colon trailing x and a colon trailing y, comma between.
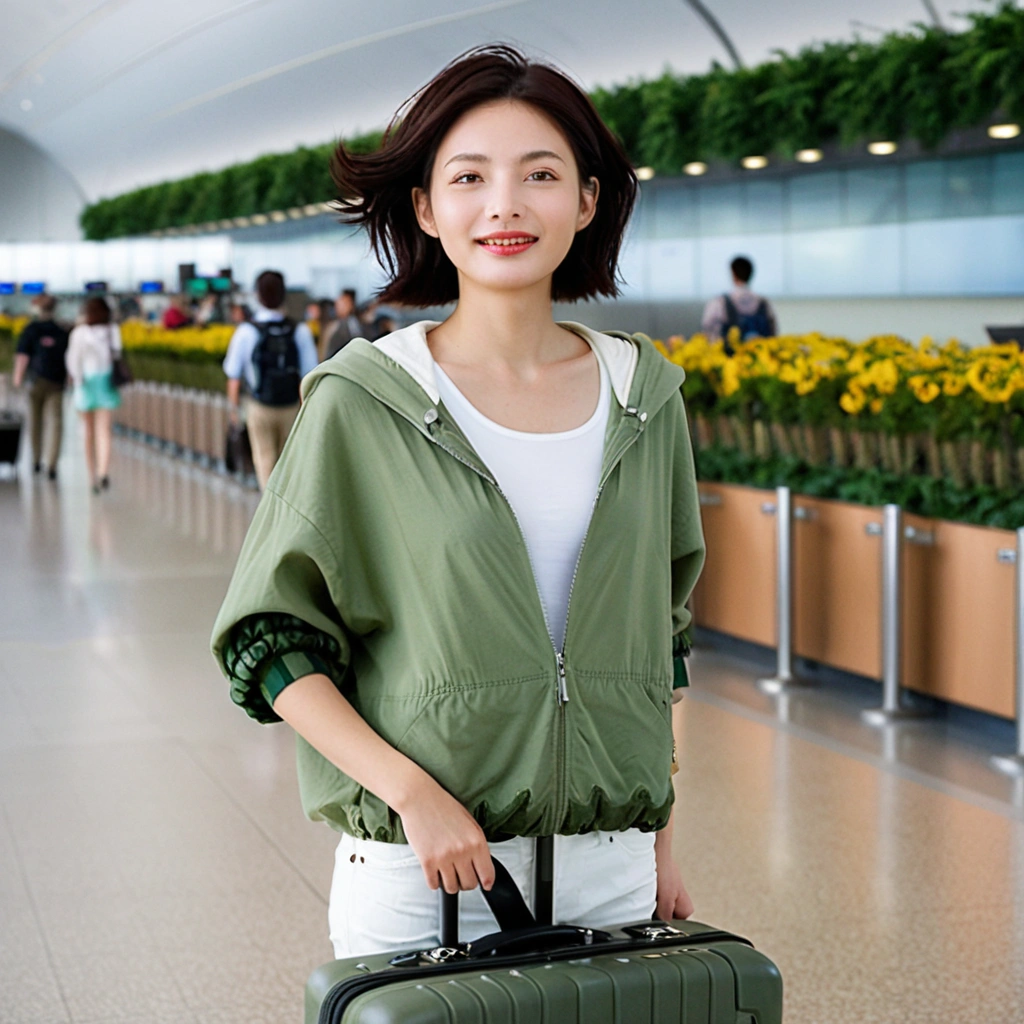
x: 580, y: 151
x: 424, y: 595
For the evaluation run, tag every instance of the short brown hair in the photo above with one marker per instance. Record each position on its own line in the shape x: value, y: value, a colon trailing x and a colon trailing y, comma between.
x: 378, y: 186
x: 270, y: 289
x: 96, y: 310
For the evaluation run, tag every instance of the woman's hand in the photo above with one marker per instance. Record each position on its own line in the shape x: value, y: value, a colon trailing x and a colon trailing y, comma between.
x: 674, y: 901
x: 450, y: 845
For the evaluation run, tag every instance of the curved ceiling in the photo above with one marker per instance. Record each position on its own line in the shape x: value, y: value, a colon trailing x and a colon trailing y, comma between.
x: 127, y: 92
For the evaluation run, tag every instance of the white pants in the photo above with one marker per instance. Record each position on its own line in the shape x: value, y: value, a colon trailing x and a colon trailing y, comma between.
x: 380, y: 900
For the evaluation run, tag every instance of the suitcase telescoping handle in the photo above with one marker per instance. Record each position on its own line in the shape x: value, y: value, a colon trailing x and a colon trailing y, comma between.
x: 506, y: 901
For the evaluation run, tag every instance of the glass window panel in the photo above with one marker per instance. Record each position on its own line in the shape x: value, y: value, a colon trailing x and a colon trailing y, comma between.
x: 1008, y: 183
x: 874, y: 195
x: 641, y: 224
x: 675, y: 212
x: 925, y: 187
x: 721, y: 210
x: 765, y: 206
x: 816, y: 201
x: 968, y: 187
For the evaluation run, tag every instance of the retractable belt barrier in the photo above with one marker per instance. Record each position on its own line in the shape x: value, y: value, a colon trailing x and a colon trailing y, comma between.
x: 1013, y: 764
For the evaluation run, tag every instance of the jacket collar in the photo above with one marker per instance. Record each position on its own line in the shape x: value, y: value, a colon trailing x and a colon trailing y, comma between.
x: 408, y: 348
x: 642, y: 380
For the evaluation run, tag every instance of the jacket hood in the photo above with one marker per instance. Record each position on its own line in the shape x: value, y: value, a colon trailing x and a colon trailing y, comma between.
x: 641, y: 379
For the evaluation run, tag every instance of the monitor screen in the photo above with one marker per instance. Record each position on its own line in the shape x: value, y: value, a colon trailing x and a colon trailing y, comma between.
x: 95, y: 286
x: 221, y: 284
x: 151, y: 287
x: 199, y: 285
x: 33, y: 287
x: 7, y: 288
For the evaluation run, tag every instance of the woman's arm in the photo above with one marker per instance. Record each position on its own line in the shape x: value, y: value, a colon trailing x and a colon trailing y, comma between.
x: 673, y: 900
x: 450, y: 845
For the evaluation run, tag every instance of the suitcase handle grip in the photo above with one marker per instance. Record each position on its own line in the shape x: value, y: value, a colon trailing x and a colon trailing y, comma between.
x: 504, y: 898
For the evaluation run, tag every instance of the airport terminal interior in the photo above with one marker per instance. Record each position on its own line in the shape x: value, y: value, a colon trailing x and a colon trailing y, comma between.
x: 850, y: 785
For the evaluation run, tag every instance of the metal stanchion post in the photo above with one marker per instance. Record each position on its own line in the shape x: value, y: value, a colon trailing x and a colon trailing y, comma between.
x: 893, y: 708
x: 1013, y: 764
x: 784, y: 678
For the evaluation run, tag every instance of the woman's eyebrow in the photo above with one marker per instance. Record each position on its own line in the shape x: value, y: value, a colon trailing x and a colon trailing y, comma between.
x: 526, y: 158
x: 540, y: 154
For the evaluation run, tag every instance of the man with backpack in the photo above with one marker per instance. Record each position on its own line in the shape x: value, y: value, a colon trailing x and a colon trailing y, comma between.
x: 740, y: 308
x: 271, y: 354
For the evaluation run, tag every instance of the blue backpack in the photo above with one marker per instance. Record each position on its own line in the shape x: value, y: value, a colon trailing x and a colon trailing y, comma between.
x: 752, y: 325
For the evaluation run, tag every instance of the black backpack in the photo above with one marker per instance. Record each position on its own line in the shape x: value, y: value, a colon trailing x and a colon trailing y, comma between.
x: 276, y: 362
x: 752, y: 325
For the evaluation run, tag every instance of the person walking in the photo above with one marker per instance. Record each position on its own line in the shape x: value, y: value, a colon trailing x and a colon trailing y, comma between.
x: 42, y: 348
x: 751, y: 314
x: 271, y: 355
x: 465, y: 586
x: 343, y: 328
x: 92, y: 350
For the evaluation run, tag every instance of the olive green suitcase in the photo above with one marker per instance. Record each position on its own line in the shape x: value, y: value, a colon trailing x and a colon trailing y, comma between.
x: 650, y: 972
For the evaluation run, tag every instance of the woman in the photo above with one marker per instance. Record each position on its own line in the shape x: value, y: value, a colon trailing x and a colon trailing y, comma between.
x: 464, y: 587
x: 92, y: 349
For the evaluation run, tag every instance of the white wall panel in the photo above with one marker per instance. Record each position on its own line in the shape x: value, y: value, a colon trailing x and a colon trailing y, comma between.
x: 845, y: 261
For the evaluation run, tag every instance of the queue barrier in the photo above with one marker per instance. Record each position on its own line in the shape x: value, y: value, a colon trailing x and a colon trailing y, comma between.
x: 1013, y: 764
x: 181, y: 421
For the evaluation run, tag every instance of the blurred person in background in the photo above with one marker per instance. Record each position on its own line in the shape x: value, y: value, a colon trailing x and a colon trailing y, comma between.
x: 272, y: 355
x: 741, y: 308
x: 208, y: 311
x: 177, y: 314
x: 346, y: 325
x: 40, y: 354
x: 240, y: 313
x: 92, y: 349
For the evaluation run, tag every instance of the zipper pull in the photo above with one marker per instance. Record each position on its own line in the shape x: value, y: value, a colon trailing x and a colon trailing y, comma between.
x: 563, y: 692
x: 641, y: 417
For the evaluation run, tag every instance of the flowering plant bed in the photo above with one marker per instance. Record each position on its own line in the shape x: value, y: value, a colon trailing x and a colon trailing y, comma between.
x: 950, y: 413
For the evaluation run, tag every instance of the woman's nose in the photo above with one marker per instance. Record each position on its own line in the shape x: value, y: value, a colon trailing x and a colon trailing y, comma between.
x: 504, y: 202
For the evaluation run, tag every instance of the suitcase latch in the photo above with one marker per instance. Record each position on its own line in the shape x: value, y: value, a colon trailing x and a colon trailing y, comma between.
x: 429, y: 957
x: 653, y: 932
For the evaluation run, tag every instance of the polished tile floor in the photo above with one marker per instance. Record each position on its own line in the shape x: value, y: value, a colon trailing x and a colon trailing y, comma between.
x: 155, y: 866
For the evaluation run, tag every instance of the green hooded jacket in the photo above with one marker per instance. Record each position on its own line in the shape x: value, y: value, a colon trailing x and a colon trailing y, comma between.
x: 384, y: 554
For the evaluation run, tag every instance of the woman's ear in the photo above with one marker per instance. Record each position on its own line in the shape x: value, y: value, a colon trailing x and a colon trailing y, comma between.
x: 424, y: 214
x: 588, y: 202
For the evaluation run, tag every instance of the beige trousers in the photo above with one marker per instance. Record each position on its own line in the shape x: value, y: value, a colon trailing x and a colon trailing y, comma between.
x: 268, y: 430
x: 46, y: 401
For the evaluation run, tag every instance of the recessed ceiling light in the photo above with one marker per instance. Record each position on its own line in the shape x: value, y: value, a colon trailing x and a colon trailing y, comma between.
x: 327, y: 207
x: 810, y: 156
x: 26, y: 105
x: 695, y: 169
x: 241, y: 222
x: 226, y: 223
x: 645, y: 173
x: 278, y: 216
x: 1004, y: 131
x: 882, y: 148
x: 259, y: 219
x: 296, y: 212
x: 311, y: 209
x: 755, y: 163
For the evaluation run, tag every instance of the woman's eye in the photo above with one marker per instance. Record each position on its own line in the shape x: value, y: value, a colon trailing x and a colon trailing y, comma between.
x: 541, y: 176
x: 468, y: 177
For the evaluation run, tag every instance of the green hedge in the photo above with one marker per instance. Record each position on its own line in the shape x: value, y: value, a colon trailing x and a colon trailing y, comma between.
x: 921, y: 495
x: 923, y: 85
x: 205, y: 374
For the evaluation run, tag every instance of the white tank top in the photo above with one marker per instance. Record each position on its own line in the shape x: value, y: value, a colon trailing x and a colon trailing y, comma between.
x: 551, y: 482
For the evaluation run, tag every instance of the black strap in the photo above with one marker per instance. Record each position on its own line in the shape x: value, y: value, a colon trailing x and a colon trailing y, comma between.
x: 504, y: 898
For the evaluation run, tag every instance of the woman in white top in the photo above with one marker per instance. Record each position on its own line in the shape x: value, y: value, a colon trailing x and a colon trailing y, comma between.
x: 92, y: 350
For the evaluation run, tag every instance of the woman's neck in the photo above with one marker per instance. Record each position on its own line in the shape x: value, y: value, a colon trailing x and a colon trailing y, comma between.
x: 513, y: 331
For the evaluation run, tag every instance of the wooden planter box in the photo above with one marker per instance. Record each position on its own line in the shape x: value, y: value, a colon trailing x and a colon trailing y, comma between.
x: 958, y: 602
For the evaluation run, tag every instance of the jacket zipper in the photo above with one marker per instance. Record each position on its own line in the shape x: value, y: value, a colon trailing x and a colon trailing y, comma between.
x: 562, y: 693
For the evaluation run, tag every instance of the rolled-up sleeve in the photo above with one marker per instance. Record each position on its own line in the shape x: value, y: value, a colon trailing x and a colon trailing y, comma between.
x: 280, y: 619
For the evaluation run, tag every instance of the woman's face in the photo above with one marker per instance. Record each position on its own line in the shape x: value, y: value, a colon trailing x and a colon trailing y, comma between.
x: 505, y: 197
